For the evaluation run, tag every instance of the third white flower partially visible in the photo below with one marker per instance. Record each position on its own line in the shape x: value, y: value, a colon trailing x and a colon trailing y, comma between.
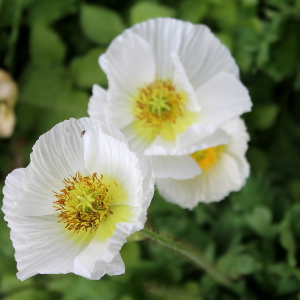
x: 223, y: 168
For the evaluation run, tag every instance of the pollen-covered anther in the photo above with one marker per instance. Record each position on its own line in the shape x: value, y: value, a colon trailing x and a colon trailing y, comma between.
x: 83, y: 203
x: 158, y: 102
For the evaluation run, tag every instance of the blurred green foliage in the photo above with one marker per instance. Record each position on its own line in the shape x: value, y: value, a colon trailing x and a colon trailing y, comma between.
x: 51, y: 48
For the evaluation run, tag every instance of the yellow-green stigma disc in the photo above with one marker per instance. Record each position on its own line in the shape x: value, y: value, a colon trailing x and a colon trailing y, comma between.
x: 159, y: 108
x: 83, y: 203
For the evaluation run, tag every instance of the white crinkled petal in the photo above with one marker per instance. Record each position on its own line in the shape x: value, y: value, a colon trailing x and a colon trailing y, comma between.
x: 58, y: 154
x: 176, y: 167
x: 206, y: 137
x: 222, y: 98
x: 135, y: 140
x: 13, y: 184
x: 238, y: 146
x: 112, y: 131
x: 182, y: 83
x: 129, y: 67
x: 115, y: 267
x: 205, y: 140
x: 43, y: 246
x: 148, y: 184
x: 239, y: 137
x: 214, y: 186
x: 227, y: 175
x: 148, y: 188
x: 99, y: 250
x: 107, y: 156
x: 204, y: 56
x: 97, y: 103
x: 201, y: 53
x: 180, y: 192
x: 38, y: 240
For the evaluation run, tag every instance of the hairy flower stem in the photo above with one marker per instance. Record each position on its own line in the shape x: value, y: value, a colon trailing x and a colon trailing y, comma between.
x: 194, y: 256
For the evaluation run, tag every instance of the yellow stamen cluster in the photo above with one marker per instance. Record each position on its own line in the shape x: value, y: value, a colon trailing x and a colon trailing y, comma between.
x: 158, y: 103
x: 83, y: 203
x: 207, y: 158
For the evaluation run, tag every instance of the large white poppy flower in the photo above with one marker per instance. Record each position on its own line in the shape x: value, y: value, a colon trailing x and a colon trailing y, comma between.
x: 74, y: 205
x: 171, y: 85
x: 223, y: 168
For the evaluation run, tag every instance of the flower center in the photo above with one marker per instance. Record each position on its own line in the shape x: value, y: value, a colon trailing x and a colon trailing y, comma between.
x: 158, y: 103
x: 207, y: 158
x: 84, y: 202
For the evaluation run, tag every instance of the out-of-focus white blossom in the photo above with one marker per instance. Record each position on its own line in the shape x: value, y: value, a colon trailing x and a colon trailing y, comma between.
x: 8, y: 97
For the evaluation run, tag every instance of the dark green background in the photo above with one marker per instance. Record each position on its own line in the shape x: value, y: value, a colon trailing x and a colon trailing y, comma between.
x: 51, y: 48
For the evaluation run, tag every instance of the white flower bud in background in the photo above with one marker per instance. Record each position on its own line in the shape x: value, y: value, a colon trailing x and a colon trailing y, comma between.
x: 8, y: 96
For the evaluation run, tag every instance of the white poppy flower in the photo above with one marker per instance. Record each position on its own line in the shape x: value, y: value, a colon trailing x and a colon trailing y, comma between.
x: 74, y: 205
x: 172, y: 84
x: 223, y: 169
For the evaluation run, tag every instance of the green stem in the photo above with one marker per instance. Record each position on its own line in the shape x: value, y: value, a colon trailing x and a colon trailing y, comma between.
x: 195, y: 256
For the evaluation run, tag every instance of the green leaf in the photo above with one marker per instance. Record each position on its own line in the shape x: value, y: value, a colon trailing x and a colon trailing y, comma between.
x: 46, y: 48
x: 143, y: 11
x: 28, y: 294
x: 130, y: 253
x: 236, y: 263
x: 74, y: 105
x: 50, y: 90
x: 91, y: 290
x: 126, y: 298
x: 8, y: 9
x: 193, y: 10
x: 282, y: 65
x: 294, y: 186
x: 46, y: 12
x: 260, y: 221
x: 264, y: 116
x: 45, y: 87
x: 100, y: 24
x: 225, y: 14
x: 258, y: 160
x: 10, y: 283
x: 86, y: 70
x: 287, y: 239
x: 249, y: 2
x: 27, y: 116
x: 256, y: 192
x: 295, y: 217
x: 77, y: 288
x: 288, y: 285
x: 297, y: 79
x: 226, y: 39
